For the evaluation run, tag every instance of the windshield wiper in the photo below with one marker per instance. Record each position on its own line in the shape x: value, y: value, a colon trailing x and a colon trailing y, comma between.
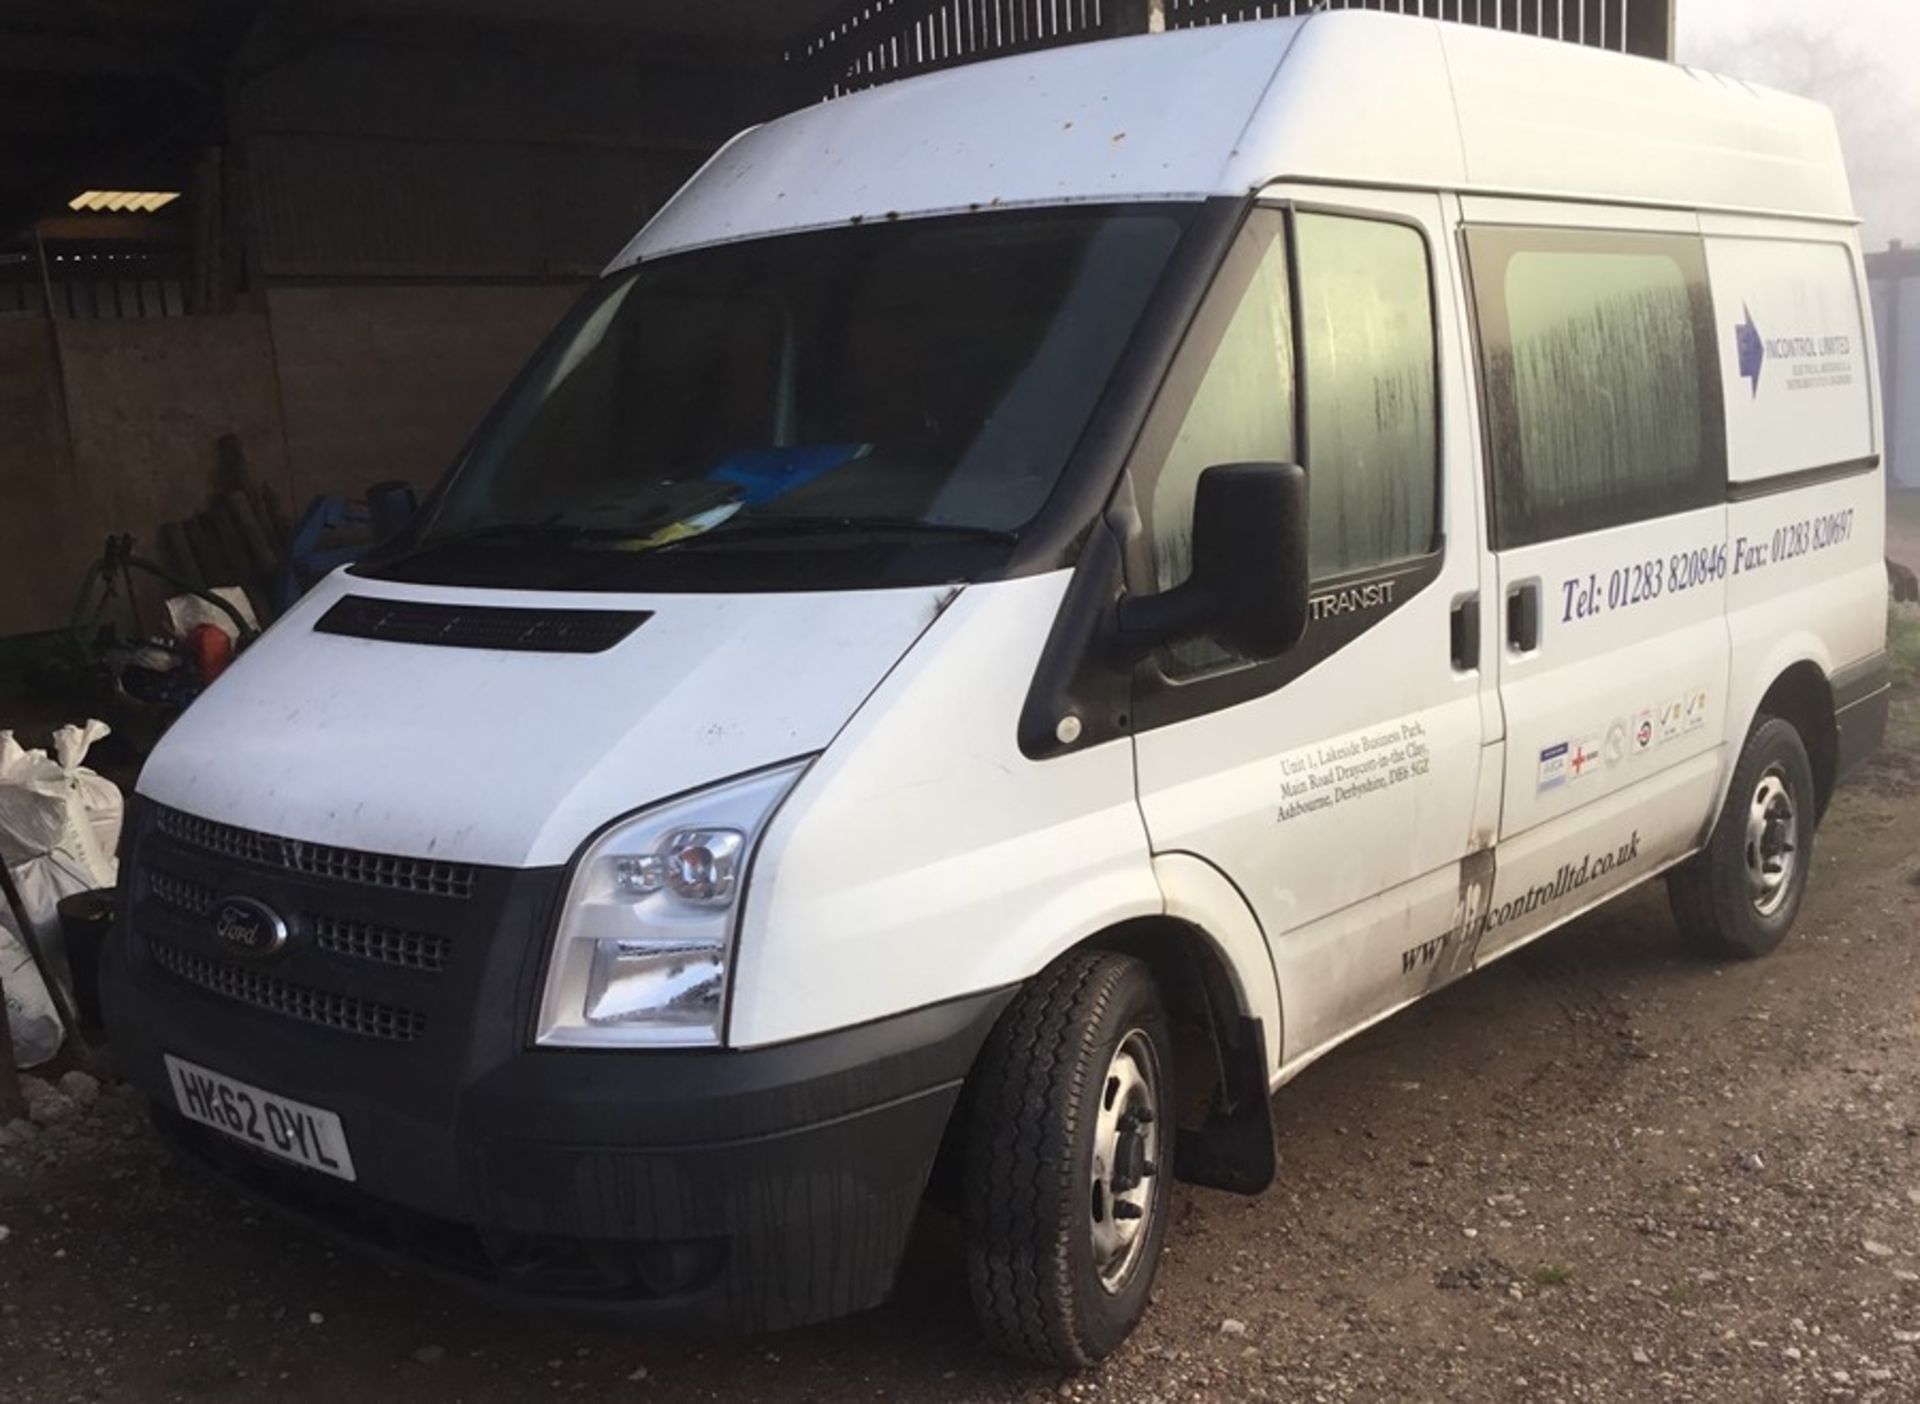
x: 778, y: 528
x: 550, y: 530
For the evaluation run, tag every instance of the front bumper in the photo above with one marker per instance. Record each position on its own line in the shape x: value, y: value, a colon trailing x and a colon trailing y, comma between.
x: 753, y: 1189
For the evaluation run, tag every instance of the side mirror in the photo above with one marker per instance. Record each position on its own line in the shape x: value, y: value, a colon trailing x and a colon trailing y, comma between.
x: 1248, y: 588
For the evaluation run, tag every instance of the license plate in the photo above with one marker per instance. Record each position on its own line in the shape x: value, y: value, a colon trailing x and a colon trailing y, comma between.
x: 306, y: 1135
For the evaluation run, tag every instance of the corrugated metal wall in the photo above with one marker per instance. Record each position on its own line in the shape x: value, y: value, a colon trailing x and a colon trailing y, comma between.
x: 1606, y: 24
x: 878, y: 41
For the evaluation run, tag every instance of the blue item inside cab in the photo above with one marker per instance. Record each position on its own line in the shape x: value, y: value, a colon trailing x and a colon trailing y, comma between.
x: 305, y: 561
x: 387, y: 510
x: 766, y: 473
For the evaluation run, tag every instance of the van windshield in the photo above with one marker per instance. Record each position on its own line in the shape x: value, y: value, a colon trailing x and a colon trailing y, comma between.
x: 894, y: 387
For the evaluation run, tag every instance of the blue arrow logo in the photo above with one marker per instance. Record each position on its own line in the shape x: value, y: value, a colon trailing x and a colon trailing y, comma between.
x: 1753, y: 351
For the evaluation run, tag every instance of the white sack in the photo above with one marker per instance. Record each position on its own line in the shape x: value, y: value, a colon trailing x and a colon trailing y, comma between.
x: 31, y: 1018
x: 59, y: 831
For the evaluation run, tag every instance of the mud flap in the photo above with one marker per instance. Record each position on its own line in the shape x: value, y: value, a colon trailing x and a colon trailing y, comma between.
x: 1233, y: 1149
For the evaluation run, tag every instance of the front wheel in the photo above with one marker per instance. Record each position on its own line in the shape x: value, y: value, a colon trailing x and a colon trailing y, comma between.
x: 1739, y: 895
x: 1068, y: 1164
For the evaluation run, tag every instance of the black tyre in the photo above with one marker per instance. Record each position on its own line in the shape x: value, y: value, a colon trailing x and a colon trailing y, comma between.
x: 1068, y: 1161
x: 1737, y: 898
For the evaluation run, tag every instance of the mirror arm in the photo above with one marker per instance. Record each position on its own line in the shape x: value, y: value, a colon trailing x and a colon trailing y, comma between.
x: 1142, y: 623
x: 1249, y: 584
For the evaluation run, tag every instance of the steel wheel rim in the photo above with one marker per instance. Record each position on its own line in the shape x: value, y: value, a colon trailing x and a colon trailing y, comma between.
x: 1126, y: 1150
x: 1772, y: 848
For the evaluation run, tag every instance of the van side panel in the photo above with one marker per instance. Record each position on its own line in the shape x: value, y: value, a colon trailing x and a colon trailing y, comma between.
x: 1806, y: 527
x: 1579, y: 125
x: 1200, y: 895
x: 923, y: 857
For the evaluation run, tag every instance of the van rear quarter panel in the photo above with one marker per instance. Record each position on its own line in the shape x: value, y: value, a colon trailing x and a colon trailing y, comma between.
x: 1811, y: 585
x: 1807, y: 578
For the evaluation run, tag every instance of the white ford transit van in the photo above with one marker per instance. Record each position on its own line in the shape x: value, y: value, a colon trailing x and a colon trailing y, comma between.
x: 1025, y: 607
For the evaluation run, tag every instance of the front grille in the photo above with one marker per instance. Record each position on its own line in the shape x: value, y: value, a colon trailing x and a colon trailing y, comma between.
x: 389, y: 945
x: 480, y: 626
x: 182, y: 894
x: 362, y: 940
x: 346, y: 1013
x: 390, y: 963
x: 423, y: 875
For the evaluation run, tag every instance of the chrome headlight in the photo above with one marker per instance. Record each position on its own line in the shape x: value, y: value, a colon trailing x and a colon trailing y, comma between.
x: 646, y: 933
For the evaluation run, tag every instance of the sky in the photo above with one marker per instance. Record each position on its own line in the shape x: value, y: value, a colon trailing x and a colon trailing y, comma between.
x: 1859, y: 57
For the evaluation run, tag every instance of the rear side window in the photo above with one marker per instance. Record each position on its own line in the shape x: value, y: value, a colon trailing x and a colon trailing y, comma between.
x: 1601, y: 378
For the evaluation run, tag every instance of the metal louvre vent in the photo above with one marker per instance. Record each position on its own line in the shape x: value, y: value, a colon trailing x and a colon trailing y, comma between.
x: 423, y: 875
x: 480, y: 626
x: 333, y: 1011
x: 366, y: 940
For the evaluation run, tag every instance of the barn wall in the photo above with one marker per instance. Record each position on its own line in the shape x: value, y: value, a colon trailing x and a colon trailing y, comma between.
x: 114, y: 426
x: 38, y: 495
x: 410, y: 208
x: 425, y: 203
x: 386, y: 380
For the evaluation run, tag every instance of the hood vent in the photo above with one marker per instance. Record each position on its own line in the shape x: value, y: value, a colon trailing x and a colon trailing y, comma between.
x: 480, y: 626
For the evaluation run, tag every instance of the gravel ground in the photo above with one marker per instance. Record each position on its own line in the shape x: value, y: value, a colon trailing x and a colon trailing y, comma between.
x: 1598, y: 1171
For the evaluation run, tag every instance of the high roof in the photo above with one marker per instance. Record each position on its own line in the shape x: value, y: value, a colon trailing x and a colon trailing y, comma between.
x: 1355, y: 96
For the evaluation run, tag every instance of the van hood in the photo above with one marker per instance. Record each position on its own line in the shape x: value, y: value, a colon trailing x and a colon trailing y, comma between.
x: 513, y: 758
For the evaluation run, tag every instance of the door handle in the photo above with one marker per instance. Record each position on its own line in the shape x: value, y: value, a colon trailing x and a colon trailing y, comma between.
x: 1464, y: 626
x: 1523, y: 617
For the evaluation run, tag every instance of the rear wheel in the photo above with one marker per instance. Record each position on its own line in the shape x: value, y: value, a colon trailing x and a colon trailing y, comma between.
x: 1738, y: 896
x: 1066, y: 1198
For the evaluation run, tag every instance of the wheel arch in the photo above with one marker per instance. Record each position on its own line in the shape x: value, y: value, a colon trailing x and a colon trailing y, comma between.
x: 1787, y: 672
x: 1221, y: 1088
x: 1211, y: 960
x: 1802, y: 694
x: 1209, y: 957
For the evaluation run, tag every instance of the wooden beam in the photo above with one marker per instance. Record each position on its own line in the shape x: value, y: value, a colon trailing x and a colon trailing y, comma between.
x: 77, y: 55
x: 112, y: 228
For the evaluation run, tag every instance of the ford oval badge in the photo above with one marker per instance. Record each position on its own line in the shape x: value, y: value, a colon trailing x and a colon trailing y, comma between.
x: 250, y: 927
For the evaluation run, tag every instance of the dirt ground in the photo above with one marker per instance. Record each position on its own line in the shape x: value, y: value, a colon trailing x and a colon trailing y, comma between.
x: 1600, y: 1170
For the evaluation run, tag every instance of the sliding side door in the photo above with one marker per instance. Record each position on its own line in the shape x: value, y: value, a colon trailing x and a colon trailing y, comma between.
x: 1606, y: 462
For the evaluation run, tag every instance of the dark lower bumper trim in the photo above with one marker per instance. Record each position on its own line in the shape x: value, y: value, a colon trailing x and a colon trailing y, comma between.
x: 757, y: 1236
x: 746, y: 1189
